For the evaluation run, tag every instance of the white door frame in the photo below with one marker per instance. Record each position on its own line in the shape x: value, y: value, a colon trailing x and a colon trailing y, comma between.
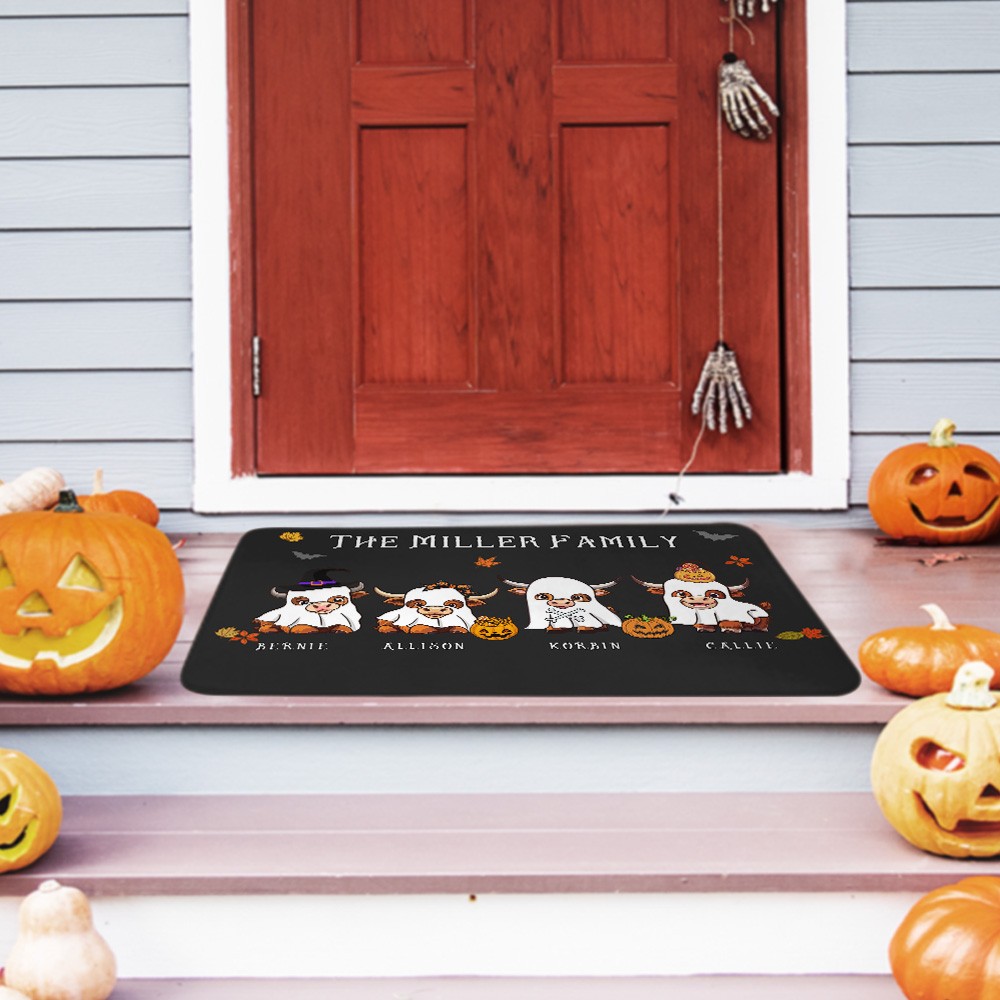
x: 217, y: 490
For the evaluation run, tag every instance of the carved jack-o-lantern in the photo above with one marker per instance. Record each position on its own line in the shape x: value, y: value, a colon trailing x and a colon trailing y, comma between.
x: 647, y: 627
x: 936, y: 769
x: 30, y: 810
x: 941, y: 492
x: 492, y: 628
x: 88, y: 601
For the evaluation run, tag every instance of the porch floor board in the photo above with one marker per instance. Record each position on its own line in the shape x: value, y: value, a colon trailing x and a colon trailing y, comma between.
x: 199, y: 845
x: 855, y: 585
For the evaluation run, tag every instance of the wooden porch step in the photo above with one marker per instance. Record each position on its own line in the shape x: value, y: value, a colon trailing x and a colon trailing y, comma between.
x: 197, y: 845
x: 522, y: 988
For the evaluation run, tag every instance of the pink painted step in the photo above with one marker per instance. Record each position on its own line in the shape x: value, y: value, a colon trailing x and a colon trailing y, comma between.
x: 351, y: 844
x: 554, y: 988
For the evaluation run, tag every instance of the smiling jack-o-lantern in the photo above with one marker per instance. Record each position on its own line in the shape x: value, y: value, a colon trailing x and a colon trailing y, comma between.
x: 30, y: 810
x: 940, y: 491
x: 88, y: 601
x: 492, y: 628
x: 936, y: 768
x: 647, y: 627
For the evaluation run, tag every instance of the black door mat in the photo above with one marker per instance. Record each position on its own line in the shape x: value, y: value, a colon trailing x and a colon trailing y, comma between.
x: 604, y: 611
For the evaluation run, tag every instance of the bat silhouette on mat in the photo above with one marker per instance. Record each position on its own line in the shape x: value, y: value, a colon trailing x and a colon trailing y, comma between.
x: 714, y: 538
x: 307, y: 555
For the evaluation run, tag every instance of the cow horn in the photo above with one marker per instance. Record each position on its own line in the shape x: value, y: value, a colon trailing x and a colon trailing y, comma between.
x: 483, y: 597
x: 383, y: 593
x: 360, y: 585
x: 601, y: 586
x: 278, y: 593
x: 513, y: 583
x: 740, y: 586
x: 646, y: 583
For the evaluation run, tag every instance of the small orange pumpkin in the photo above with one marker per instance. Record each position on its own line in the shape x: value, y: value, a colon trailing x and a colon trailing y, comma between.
x: 941, y: 492
x: 647, y: 626
x: 88, y: 601
x: 948, y: 944
x: 129, y: 502
x: 30, y: 810
x: 493, y: 629
x: 922, y: 659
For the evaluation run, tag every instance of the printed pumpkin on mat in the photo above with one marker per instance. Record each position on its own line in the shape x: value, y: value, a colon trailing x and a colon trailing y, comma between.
x: 88, y: 601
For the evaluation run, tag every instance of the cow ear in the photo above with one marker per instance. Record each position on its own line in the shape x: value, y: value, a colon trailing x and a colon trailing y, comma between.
x: 474, y: 602
x: 358, y: 593
x: 602, y: 592
x: 395, y: 601
x: 656, y: 590
x: 518, y: 590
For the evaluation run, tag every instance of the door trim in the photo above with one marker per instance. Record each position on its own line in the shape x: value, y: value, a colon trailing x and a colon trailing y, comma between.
x: 224, y: 481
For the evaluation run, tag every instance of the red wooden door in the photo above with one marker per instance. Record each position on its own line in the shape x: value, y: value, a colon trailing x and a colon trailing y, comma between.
x: 485, y: 237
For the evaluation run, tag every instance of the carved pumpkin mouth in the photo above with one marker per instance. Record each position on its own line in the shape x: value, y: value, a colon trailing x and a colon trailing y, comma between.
x: 953, y: 522
x: 20, y: 845
x: 963, y: 827
x: 79, y: 642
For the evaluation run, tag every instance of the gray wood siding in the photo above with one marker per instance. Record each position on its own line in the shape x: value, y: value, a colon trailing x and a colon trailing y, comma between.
x: 95, y: 311
x: 95, y: 251
x: 924, y: 134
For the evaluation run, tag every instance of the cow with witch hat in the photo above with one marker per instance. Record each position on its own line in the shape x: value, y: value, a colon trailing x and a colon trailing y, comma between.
x: 322, y: 604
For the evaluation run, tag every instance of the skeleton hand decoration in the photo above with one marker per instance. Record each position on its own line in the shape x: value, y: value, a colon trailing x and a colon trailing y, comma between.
x: 739, y: 93
x: 721, y: 388
x: 745, y: 8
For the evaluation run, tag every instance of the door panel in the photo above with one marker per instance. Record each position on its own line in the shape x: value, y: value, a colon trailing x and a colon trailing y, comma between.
x: 486, y: 237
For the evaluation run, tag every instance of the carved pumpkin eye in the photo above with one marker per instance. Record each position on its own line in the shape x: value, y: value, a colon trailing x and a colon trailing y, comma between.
x: 5, y: 803
x: 6, y: 577
x: 936, y: 758
x: 922, y: 474
x: 978, y: 472
x: 80, y: 575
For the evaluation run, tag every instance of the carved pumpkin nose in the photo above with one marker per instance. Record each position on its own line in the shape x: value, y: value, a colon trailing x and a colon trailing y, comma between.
x: 990, y: 792
x: 955, y: 491
x: 34, y: 604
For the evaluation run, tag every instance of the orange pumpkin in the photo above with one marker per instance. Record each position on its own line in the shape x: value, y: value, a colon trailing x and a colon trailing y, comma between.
x: 129, y: 502
x: 493, y: 629
x: 30, y: 811
x: 941, y: 492
x: 923, y: 659
x: 948, y: 945
x: 646, y: 626
x: 88, y: 601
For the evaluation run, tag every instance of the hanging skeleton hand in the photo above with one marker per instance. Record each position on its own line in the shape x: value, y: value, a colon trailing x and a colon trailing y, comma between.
x: 745, y: 8
x: 741, y: 96
x: 721, y: 389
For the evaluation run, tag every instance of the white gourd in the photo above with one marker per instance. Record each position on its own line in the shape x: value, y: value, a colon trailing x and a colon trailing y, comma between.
x: 36, y: 489
x: 58, y: 954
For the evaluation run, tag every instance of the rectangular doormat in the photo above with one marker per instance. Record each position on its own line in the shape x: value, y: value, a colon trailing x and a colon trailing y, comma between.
x: 603, y: 611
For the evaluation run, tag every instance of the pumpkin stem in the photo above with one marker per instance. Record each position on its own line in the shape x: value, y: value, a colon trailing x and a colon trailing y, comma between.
x: 98, y: 481
x: 939, y: 620
x: 941, y: 434
x: 49, y: 885
x: 67, y: 503
x: 971, y: 687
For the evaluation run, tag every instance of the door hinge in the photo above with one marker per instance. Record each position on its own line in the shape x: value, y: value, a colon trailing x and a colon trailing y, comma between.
x: 255, y: 365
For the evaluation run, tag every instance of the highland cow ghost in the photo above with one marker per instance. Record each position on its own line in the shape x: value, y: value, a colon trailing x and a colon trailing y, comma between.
x: 695, y: 597
x: 438, y: 607
x: 560, y: 602
x: 320, y: 605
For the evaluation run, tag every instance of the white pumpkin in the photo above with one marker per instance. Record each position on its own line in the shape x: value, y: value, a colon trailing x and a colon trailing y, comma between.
x: 58, y: 954
x: 36, y: 489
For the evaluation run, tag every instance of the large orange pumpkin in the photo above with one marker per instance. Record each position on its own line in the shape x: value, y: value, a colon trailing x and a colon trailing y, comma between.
x: 88, y: 601
x: 941, y: 492
x: 30, y: 810
x: 948, y: 945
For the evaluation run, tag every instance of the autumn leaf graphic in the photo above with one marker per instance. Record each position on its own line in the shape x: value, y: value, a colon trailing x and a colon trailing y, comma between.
x: 487, y: 561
